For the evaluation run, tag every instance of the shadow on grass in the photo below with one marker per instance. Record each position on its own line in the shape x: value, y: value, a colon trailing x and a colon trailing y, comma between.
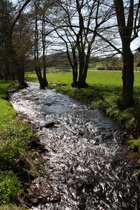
x: 4, y: 85
x: 92, y: 93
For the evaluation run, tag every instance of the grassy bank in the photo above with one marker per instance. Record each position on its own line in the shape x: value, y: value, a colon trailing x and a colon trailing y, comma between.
x: 16, y: 160
x: 103, y: 92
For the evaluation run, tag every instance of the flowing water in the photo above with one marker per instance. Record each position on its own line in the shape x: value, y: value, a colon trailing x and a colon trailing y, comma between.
x: 85, y: 158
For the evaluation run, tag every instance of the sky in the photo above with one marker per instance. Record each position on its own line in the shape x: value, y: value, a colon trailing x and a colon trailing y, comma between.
x: 134, y: 45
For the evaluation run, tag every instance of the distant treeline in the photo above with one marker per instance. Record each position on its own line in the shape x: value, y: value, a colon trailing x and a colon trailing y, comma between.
x: 116, y: 68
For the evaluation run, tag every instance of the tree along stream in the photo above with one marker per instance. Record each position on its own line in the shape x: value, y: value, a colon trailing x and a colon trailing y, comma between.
x: 85, y: 159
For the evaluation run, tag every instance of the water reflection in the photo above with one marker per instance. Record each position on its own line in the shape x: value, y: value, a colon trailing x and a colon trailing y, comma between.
x: 85, y: 157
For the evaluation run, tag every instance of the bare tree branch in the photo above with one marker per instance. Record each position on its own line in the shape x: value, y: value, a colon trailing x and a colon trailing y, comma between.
x: 17, y: 17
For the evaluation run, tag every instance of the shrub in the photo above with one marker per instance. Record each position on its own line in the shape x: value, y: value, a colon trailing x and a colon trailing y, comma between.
x: 100, y: 68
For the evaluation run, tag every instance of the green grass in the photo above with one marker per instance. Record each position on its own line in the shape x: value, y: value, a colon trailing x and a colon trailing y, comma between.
x: 6, y: 85
x: 93, y: 78
x: 60, y: 77
x: 9, y: 187
x: 135, y: 144
x: 105, y: 88
x: 16, y: 138
x: 11, y: 207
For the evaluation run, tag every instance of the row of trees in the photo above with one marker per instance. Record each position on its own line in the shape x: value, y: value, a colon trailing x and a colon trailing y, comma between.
x: 79, y: 27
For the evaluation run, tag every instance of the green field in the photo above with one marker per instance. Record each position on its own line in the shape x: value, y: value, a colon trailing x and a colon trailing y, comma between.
x: 93, y: 78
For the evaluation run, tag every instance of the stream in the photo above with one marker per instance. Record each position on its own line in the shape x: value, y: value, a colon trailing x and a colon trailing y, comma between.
x: 87, y: 163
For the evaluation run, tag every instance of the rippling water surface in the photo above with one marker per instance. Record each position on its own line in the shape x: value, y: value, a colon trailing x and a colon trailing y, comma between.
x: 86, y: 160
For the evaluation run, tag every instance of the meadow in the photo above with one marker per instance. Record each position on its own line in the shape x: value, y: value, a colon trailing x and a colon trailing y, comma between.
x: 97, y: 78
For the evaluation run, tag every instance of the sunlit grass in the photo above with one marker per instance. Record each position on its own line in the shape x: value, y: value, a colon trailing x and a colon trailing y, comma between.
x: 60, y: 77
x: 93, y: 77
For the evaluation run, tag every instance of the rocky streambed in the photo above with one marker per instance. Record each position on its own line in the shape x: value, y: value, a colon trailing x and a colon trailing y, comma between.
x: 86, y: 161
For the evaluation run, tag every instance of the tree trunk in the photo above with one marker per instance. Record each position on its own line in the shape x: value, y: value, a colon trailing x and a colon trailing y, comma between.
x: 125, y: 25
x: 75, y: 74
x: 20, y: 76
x: 40, y: 78
x: 44, y: 78
x: 83, y: 68
x: 44, y: 49
x: 82, y: 82
x: 128, y: 79
x: 74, y: 69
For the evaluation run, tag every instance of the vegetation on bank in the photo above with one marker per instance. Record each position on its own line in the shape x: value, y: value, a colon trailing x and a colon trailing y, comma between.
x: 104, y: 90
x: 16, y: 157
